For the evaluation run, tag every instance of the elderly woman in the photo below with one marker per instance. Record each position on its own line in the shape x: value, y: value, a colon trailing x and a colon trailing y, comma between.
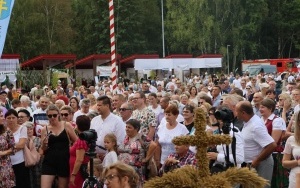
x: 55, y: 145
x: 35, y: 171
x: 136, y: 149
x: 59, y: 103
x: 77, y: 153
x: 120, y: 175
x: 184, y: 99
x: 188, y: 115
x: 17, y: 160
x: 166, y: 132
x: 7, y: 176
x: 276, y: 128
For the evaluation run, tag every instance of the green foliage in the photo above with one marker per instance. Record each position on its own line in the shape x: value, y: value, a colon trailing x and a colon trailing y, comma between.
x: 27, y: 78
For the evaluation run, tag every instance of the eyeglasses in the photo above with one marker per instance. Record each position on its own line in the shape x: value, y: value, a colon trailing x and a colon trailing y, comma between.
x: 21, y: 117
x: 247, y: 88
x: 52, y: 115
x: 110, y: 177
x: 124, y: 109
x: 66, y: 114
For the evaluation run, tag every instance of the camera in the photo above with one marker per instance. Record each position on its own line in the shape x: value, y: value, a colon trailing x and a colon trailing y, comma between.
x: 226, y: 116
x: 89, y: 136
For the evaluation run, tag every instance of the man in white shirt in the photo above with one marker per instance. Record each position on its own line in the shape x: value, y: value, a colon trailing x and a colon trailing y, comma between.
x: 126, y: 111
x: 107, y: 123
x: 237, y: 81
x: 94, y: 91
x: 40, y: 118
x: 258, y: 144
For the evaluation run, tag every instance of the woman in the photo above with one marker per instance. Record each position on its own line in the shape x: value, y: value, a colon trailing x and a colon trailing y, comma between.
x: 74, y: 103
x: 291, y: 153
x: 77, y: 153
x: 135, y: 150
x: 286, y: 111
x: 55, y: 145
x: 35, y: 171
x: 193, y: 95
x: 120, y: 175
x: 276, y: 128
x: 7, y: 176
x: 154, y: 104
x: 66, y: 114
x: 184, y: 99
x: 17, y: 160
x: 93, y: 102
x: 166, y: 132
x: 23, y: 116
x: 188, y: 115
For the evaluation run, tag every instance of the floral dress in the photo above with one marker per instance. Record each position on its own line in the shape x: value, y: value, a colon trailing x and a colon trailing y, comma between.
x: 132, y: 151
x: 7, y: 176
x: 146, y: 117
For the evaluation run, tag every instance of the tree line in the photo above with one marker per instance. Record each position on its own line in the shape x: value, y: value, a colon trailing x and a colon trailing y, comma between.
x: 253, y: 29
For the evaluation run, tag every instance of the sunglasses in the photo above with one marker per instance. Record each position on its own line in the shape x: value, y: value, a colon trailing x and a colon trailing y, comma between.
x: 66, y: 114
x: 52, y: 115
x: 123, y: 109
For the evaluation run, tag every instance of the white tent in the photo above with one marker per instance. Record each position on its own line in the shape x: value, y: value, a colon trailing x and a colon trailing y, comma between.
x: 177, y: 63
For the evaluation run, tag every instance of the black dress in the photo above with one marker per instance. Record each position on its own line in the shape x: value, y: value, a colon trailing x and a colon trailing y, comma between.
x: 56, y: 160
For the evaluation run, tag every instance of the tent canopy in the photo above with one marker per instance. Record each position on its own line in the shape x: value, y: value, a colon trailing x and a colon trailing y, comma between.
x: 178, y: 63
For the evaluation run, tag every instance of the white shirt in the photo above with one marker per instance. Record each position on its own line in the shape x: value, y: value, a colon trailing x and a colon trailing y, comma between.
x: 239, y: 149
x: 112, y: 124
x: 237, y: 83
x: 79, y: 113
x: 96, y: 94
x: 156, y: 110
x: 109, y: 159
x: 18, y: 157
x: 165, y: 137
x: 277, y: 124
x: 291, y: 79
x: 179, y: 118
x: 256, y: 137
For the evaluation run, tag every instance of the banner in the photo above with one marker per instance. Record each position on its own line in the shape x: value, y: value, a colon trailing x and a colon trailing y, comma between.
x: 6, y: 7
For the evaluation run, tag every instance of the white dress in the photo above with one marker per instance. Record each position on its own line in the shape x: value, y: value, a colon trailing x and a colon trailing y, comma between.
x: 291, y: 147
x: 165, y: 137
x: 109, y: 159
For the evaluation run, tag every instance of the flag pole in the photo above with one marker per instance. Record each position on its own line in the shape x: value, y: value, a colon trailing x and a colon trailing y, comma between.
x: 112, y: 46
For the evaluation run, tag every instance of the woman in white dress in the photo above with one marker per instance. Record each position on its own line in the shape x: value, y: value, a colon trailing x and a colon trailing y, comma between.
x: 291, y: 153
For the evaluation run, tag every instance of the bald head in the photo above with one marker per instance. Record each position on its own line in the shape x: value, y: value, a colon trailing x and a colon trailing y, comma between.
x: 245, y: 106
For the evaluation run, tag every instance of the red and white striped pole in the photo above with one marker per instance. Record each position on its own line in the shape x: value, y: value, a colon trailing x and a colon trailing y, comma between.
x: 112, y: 46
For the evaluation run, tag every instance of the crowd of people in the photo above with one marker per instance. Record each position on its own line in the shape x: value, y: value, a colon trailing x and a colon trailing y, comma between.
x: 135, y: 126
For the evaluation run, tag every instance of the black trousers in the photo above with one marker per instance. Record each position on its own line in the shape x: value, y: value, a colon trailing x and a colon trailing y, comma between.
x: 22, y: 175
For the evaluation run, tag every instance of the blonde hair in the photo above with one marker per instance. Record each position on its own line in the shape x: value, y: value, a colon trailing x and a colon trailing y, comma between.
x: 112, y: 137
x: 124, y: 170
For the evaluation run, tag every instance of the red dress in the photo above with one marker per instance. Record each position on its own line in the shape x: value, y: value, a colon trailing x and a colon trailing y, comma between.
x: 79, y: 144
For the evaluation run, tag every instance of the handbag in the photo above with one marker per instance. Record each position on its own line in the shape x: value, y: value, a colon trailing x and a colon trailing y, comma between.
x: 31, y: 156
x: 152, y: 168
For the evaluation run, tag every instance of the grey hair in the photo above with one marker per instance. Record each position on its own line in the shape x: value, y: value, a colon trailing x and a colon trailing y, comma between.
x: 85, y: 102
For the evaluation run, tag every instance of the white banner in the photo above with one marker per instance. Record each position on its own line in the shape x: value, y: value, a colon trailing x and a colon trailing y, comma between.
x: 7, y: 72
x: 104, y: 70
x: 6, y: 7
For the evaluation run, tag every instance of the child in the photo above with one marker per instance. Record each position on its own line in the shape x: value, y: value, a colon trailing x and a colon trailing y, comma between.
x: 97, y: 169
x: 110, y: 143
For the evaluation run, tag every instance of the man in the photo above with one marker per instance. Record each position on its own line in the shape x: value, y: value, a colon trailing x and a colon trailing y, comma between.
x: 258, y: 144
x: 40, y: 118
x: 257, y: 98
x: 38, y: 92
x: 120, y: 89
x: 271, y: 94
x: 107, y: 123
x: 182, y: 156
x: 296, y: 99
x: 117, y: 101
x: 94, y: 91
x: 160, y: 89
x: 60, y: 95
x: 231, y: 101
x: 237, y: 81
x: 145, y: 87
x: 243, y: 87
x: 16, y: 104
x: 216, y: 97
x: 164, y: 103
x: 84, y: 109
x: 4, y: 102
x: 264, y: 87
x: 222, y: 86
x: 126, y: 111
x: 146, y: 116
